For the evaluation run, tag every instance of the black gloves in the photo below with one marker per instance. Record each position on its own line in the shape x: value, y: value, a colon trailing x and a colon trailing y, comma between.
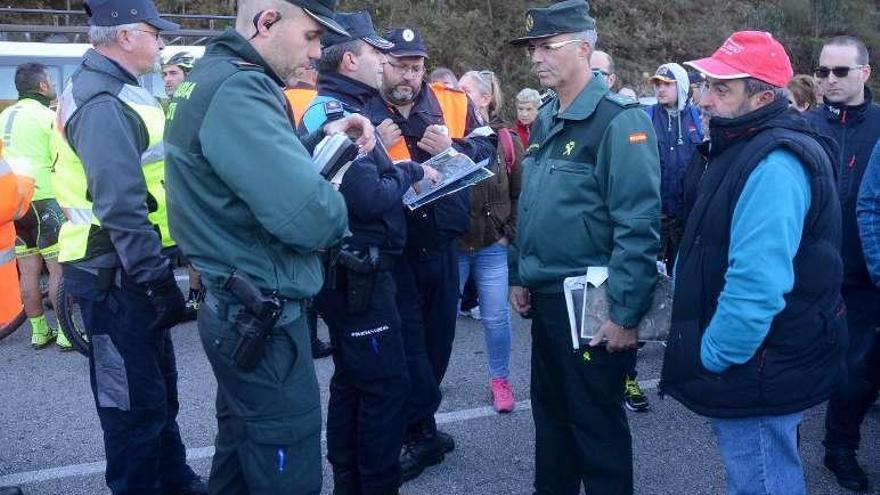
x: 167, y: 300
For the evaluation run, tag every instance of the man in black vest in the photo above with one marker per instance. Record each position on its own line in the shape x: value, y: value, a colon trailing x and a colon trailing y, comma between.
x: 757, y: 322
x: 850, y: 117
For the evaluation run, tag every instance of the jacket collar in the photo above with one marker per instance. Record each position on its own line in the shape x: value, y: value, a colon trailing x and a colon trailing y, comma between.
x: 231, y: 43
x: 37, y: 97
x: 848, y: 113
x: 585, y: 102
x: 726, y: 132
x: 93, y: 60
x: 349, y: 91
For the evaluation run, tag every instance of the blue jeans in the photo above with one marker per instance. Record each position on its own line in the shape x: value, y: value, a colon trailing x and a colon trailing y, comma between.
x: 489, y: 269
x: 760, y: 455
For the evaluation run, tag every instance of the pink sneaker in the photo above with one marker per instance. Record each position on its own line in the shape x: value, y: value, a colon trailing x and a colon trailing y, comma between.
x: 502, y: 395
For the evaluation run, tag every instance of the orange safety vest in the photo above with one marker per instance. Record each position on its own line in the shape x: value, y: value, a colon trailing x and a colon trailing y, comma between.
x: 16, y: 192
x: 299, y: 99
x: 453, y: 106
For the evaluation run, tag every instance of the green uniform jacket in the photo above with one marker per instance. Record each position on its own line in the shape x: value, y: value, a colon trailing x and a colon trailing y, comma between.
x: 242, y: 191
x: 591, y: 197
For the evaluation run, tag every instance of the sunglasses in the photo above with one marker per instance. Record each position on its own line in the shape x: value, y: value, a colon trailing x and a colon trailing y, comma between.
x: 839, y: 72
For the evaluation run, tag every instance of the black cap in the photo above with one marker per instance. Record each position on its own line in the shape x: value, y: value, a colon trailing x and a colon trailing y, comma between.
x: 570, y: 16
x: 407, y: 43
x: 323, y: 12
x: 359, y: 26
x: 118, y: 12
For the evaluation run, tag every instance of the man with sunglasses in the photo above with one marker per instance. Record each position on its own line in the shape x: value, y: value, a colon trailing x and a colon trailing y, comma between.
x: 416, y: 121
x: 850, y: 117
x: 109, y: 182
x: 590, y: 197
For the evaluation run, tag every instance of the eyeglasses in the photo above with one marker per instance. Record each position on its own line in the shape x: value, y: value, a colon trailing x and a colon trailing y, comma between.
x: 406, y: 70
x: 154, y: 33
x: 839, y: 72
x: 550, y: 47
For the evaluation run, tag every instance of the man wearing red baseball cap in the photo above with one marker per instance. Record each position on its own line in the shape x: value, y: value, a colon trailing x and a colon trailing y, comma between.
x: 757, y: 336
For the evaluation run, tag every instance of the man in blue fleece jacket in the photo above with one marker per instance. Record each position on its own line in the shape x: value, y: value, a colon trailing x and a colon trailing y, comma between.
x: 757, y: 329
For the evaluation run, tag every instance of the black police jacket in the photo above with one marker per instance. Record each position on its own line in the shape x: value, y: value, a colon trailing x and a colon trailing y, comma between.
x: 802, y: 358
x: 374, y: 186
x: 855, y: 130
x: 432, y: 227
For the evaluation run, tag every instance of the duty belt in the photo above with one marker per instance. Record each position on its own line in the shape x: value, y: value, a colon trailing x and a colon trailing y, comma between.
x: 227, y: 310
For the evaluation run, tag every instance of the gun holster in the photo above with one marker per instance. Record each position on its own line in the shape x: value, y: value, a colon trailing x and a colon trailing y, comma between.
x: 254, y: 322
x: 355, y: 273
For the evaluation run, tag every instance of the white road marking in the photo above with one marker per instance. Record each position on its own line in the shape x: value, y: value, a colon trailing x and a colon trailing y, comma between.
x: 91, y: 468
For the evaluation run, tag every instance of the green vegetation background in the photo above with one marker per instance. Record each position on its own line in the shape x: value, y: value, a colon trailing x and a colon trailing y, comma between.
x: 640, y: 34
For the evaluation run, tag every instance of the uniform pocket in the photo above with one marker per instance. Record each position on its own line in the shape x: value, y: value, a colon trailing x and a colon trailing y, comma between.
x: 111, y: 379
x: 603, y: 373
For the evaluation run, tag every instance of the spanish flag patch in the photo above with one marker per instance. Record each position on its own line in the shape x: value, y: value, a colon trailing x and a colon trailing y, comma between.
x: 638, y: 137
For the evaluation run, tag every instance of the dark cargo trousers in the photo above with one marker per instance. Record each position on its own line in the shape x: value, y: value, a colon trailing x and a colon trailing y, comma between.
x: 854, y: 396
x: 427, y: 299
x: 134, y: 383
x: 367, y: 412
x: 581, y: 431
x: 268, y: 420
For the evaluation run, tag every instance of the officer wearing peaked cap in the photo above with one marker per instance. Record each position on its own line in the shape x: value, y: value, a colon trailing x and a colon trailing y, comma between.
x: 245, y: 199
x: 591, y: 171
x: 109, y: 182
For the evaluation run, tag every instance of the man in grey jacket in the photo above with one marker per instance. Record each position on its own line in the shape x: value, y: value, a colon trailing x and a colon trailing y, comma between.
x: 109, y: 183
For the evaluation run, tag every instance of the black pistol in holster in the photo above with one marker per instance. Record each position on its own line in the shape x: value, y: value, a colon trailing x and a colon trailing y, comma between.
x: 254, y: 322
x: 360, y: 277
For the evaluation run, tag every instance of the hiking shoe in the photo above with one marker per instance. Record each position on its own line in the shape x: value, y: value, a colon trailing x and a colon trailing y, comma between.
x: 418, y: 455
x: 40, y: 340
x: 502, y: 395
x: 190, y: 312
x: 446, y: 441
x: 843, y: 463
x: 64, y: 345
x: 633, y: 397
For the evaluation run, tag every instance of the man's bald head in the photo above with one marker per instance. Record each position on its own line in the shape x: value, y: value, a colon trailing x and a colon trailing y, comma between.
x: 603, y: 62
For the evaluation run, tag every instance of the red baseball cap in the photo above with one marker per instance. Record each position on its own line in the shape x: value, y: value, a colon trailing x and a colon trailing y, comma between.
x: 748, y: 54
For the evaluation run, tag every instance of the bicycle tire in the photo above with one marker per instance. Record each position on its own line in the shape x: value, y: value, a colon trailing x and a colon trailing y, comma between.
x: 11, y: 327
x: 71, y: 322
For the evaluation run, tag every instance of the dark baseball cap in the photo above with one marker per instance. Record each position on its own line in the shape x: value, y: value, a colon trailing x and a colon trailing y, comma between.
x: 118, y: 12
x: 359, y: 25
x: 322, y: 11
x: 407, y: 43
x: 569, y: 16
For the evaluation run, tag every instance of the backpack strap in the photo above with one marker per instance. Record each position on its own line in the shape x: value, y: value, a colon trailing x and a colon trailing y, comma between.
x: 506, y: 138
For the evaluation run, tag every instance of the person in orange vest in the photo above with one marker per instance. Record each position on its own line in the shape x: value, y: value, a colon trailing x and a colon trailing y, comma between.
x: 301, y: 90
x: 16, y: 191
x: 416, y: 121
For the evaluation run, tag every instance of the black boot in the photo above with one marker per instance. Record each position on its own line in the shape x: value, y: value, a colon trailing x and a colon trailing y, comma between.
x: 424, y: 448
x: 843, y: 463
x: 10, y: 490
x: 320, y: 349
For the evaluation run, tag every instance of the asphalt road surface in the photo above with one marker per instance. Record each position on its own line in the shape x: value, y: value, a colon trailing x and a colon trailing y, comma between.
x: 50, y: 440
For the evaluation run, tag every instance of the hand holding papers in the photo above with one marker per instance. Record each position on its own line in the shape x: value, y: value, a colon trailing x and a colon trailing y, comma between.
x: 457, y: 172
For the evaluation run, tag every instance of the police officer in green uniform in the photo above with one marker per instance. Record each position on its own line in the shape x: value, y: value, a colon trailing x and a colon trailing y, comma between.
x: 591, y: 171
x: 244, y: 199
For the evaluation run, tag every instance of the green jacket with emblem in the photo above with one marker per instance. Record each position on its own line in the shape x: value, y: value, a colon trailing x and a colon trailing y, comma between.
x: 591, y: 197
x: 242, y: 191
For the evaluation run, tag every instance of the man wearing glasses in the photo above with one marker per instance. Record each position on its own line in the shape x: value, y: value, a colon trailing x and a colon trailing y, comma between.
x: 590, y: 197
x: 849, y: 116
x: 109, y: 181
x: 415, y: 122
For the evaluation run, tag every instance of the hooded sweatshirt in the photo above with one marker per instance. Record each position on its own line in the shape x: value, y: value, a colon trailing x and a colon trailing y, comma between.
x: 678, y: 134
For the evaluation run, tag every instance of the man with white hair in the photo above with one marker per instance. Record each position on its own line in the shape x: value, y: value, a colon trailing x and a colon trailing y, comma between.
x: 109, y: 183
x: 591, y: 198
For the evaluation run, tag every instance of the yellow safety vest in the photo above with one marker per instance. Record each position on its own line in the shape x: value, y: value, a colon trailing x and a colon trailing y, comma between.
x: 69, y: 178
x: 26, y: 129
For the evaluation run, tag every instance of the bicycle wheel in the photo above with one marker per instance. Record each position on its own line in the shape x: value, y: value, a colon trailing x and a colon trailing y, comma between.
x: 71, y: 322
x: 9, y: 328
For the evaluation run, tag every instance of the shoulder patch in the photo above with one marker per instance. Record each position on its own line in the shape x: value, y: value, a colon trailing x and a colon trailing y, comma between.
x: 242, y: 65
x: 333, y: 109
x: 622, y: 100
